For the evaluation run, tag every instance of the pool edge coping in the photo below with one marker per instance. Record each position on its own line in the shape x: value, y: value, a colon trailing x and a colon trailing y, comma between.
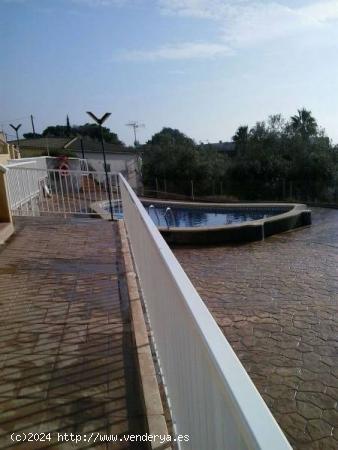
x: 296, y: 209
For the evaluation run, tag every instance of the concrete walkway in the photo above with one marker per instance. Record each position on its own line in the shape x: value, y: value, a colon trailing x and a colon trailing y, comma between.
x: 66, y: 355
x: 277, y: 303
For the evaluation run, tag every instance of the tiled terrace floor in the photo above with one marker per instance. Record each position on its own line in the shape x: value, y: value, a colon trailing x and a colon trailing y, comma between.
x: 277, y: 303
x: 66, y: 357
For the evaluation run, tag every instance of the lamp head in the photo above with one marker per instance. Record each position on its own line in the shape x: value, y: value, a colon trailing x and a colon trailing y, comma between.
x: 101, y: 120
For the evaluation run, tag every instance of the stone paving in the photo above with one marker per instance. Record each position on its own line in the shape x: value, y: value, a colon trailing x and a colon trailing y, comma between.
x: 277, y: 304
x: 66, y: 356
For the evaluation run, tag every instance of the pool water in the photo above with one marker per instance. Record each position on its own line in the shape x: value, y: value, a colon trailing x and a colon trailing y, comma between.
x: 207, y: 217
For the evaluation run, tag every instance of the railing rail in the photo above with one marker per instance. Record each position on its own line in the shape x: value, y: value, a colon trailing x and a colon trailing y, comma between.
x: 38, y: 162
x: 210, y: 395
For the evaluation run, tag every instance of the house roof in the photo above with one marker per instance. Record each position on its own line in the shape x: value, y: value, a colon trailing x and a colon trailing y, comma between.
x: 42, y: 143
x: 89, y: 145
x: 227, y: 147
x: 94, y: 146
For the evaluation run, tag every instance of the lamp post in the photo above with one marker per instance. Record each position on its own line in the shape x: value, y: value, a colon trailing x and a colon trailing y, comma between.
x: 16, y: 129
x: 82, y: 149
x: 100, y: 122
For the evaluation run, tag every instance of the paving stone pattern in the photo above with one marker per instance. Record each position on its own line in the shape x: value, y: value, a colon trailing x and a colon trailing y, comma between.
x: 277, y: 303
x: 66, y: 356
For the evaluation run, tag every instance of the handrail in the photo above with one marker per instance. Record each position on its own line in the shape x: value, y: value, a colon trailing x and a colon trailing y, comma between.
x: 36, y: 169
x: 210, y: 394
x: 152, y: 207
x: 167, y: 211
x: 21, y: 163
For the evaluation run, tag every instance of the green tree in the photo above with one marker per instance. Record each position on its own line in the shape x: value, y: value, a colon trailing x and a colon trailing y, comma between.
x: 240, y: 138
x: 297, y: 154
x: 175, y: 160
x: 169, y: 156
x: 93, y: 131
x: 304, y: 124
x: 88, y: 129
x: 55, y: 131
x: 68, y: 131
x: 210, y: 170
x: 31, y: 135
x: 276, y: 124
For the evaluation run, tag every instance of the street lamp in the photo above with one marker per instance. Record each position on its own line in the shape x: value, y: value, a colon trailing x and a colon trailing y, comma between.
x: 82, y: 149
x: 16, y: 129
x: 100, y: 122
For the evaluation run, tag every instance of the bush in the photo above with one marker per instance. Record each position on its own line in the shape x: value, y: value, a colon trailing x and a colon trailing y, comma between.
x: 62, y: 152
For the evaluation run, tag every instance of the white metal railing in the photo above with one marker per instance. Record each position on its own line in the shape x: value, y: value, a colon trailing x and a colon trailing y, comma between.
x: 23, y: 185
x: 210, y: 395
x: 35, y: 191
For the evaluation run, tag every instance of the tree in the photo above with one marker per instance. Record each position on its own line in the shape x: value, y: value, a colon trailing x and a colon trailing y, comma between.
x: 31, y: 135
x: 88, y: 129
x: 175, y: 160
x: 276, y: 124
x: 92, y: 130
x: 56, y: 131
x: 169, y: 156
x: 211, y: 170
x: 241, y: 138
x: 171, y: 138
x: 304, y: 124
x: 279, y: 154
x: 68, y: 126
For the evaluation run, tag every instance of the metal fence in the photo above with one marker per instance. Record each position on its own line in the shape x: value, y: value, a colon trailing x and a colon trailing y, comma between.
x: 227, y: 191
x: 43, y: 191
x: 210, y: 395
x: 24, y: 185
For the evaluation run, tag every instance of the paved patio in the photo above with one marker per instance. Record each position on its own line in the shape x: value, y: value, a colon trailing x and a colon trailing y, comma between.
x: 277, y: 303
x: 66, y: 355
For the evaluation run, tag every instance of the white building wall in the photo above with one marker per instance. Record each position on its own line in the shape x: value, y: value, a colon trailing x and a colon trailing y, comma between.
x: 128, y: 164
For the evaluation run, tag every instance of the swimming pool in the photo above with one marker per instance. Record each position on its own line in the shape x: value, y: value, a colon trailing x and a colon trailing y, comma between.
x: 192, y: 223
x: 189, y: 216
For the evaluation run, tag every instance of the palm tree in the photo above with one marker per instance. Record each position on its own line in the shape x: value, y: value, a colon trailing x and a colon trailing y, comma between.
x: 241, y: 138
x: 304, y: 123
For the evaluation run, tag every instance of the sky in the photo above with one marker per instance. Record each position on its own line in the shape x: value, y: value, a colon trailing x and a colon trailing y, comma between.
x: 202, y: 66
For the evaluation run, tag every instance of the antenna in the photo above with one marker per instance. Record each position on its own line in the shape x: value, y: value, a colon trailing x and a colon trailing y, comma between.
x: 33, y: 127
x: 135, y: 126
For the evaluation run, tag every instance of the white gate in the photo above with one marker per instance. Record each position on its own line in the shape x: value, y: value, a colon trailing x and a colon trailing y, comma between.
x: 41, y: 191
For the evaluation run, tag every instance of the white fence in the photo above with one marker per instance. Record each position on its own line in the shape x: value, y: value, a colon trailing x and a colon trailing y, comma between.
x: 211, y: 397
x: 24, y: 180
x: 36, y: 191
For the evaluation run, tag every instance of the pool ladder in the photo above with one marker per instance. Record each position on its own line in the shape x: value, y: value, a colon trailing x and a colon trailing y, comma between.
x: 152, y: 208
x: 167, y: 211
